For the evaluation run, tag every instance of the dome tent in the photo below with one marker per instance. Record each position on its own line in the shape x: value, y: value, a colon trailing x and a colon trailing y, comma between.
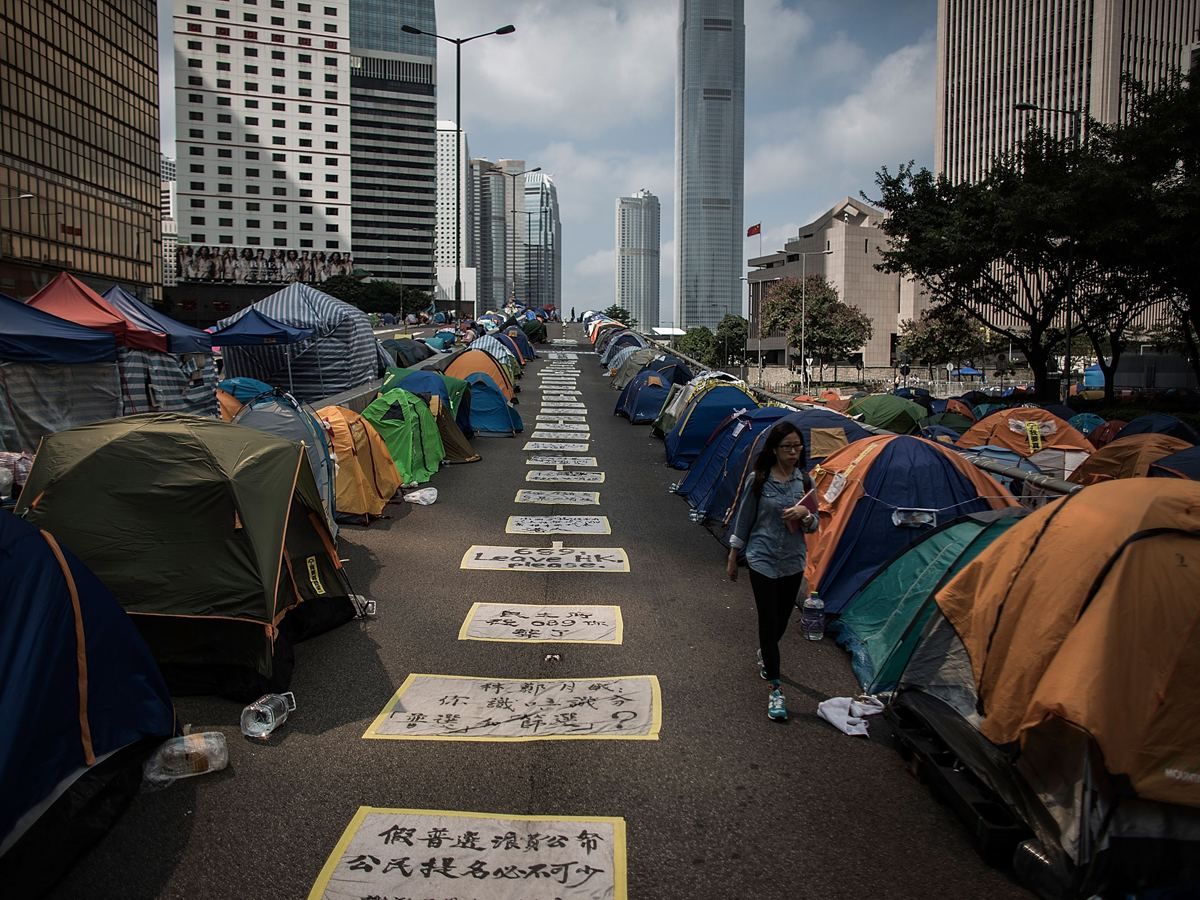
x: 643, y: 398
x: 410, y: 432
x: 366, y: 475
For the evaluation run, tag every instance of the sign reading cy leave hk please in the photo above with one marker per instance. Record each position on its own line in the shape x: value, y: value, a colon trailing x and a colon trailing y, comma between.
x: 540, y: 624
x: 429, y: 853
x: 555, y: 558
x: 469, y: 708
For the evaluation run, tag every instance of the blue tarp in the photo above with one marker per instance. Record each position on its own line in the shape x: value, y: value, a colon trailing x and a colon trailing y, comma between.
x: 255, y: 329
x: 490, y: 409
x: 643, y: 397
x: 29, y: 335
x: 697, y: 421
x: 180, y: 338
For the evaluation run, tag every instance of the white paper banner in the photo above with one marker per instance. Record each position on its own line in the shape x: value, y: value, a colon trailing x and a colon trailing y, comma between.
x: 557, y: 525
x: 586, y: 462
x: 555, y: 558
x: 559, y: 436
x: 560, y: 417
x: 444, y: 854
x: 546, y: 624
x: 572, y: 498
x: 458, y: 707
x: 558, y: 406
x: 556, y: 445
x: 561, y: 426
x: 564, y: 476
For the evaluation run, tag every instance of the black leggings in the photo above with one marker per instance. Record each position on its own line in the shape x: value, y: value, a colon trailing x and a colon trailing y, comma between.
x: 775, y: 599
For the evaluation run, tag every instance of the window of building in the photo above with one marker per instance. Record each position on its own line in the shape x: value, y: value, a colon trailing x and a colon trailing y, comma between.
x: 195, y: 81
x: 252, y: 139
x: 304, y: 92
x: 279, y: 140
x: 305, y: 192
x: 251, y: 36
x: 306, y: 176
x: 253, y: 240
x: 331, y: 61
x: 225, y: 170
x: 193, y: 27
x: 196, y: 133
x: 224, y: 84
x: 331, y: 176
x: 252, y: 207
x: 196, y: 186
x: 305, y: 76
x: 277, y: 38
x: 304, y: 7
x: 226, y: 239
x: 224, y: 135
x: 331, y: 245
x: 331, y: 27
x: 331, y: 95
x: 224, y: 153
x: 278, y: 157
x: 250, y: 51
x: 222, y: 13
x: 279, y: 242
x: 225, y: 223
x: 279, y: 173
x: 196, y: 169
x: 279, y: 89
x: 196, y: 203
x: 250, y: 70
x: 251, y: 120
x: 304, y: 57
x: 252, y: 173
x: 305, y: 109
x: 279, y: 192
x: 331, y: 160
x: 331, y: 195
x: 251, y: 104
x: 195, y: 45
x: 195, y: 151
x: 252, y: 189
x: 279, y: 225
x: 331, y: 210
x: 305, y: 142
x: 331, y: 45
x: 306, y: 159
x: 225, y: 118
x: 303, y: 23
x: 306, y: 242
x: 225, y: 188
x: 195, y: 98
x: 252, y: 223
x: 277, y: 20
x: 276, y: 4
x: 331, y: 111
x: 223, y: 67
x: 306, y: 210
x: 331, y: 229
x: 249, y: 17
x: 279, y: 207
x: 331, y: 145
x: 194, y: 64
x: 331, y: 78
x: 199, y: 239
x: 331, y: 10
x: 304, y: 226
x: 193, y: 10
x: 251, y: 154
x: 306, y: 126
x: 304, y: 42
x: 278, y: 73
x: 252, y: 85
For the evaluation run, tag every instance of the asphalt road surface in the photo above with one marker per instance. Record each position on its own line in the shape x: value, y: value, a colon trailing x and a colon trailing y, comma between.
x: 727, y: 804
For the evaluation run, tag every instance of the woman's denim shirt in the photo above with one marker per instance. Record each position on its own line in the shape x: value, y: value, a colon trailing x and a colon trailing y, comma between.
x: 758, y: 526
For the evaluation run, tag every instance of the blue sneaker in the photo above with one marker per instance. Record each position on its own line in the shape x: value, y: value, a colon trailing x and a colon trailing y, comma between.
x: 776, y: 710
x: 762, y: 670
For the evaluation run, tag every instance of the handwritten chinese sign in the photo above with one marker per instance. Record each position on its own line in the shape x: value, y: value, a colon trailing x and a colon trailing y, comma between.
x: 564, y: 476
x: 563, y: 426
x: 586, y: 462
x: 555, y: 558
x: 556, y: 445
x: 469, y: 708
x: 559, y: 435
x: 558, y: 525
x: 572, y: 498
x: 560, y: 417
x: 545, y: 624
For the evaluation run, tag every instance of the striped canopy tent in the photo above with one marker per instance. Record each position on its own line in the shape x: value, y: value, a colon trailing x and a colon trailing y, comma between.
x: 257, y: 330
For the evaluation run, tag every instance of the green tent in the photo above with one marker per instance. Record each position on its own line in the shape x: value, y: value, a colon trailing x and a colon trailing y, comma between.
x: 211, y: 535
x: 953, y: 421
x: 882, y: 624
x: 535, y: 330
x: 410, y: 432
x: 889, y: 412
x: 456, y: 388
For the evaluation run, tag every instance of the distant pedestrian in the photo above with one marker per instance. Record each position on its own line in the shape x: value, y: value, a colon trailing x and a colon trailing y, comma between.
x: 770, y: 525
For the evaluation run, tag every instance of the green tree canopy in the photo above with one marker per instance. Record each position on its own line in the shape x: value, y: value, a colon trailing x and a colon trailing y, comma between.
x: 377, y: 296
x: 943, y: 334
x: 700, y: 344
x: 831, y: 331
x: 622, y: 315
x: 731, y: 339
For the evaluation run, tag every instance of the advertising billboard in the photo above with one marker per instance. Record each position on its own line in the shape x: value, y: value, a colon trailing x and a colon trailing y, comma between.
x: 226, y: 264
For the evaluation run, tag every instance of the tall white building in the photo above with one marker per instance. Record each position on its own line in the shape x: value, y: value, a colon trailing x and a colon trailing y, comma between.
x: 543, y: 242
x: 516, y: 223
x: 1069, y: 57
x: 170, y: 231
x: 491, y: 235
x: 710, y: 88
x: 262, y: 99
x: 444, y: 245
x: 637, y: 256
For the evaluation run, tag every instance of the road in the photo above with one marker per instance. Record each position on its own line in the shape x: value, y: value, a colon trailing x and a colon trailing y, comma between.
x: 726, y: 804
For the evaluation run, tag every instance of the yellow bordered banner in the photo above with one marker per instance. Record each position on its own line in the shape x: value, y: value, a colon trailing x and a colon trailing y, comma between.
x: 528, y: 623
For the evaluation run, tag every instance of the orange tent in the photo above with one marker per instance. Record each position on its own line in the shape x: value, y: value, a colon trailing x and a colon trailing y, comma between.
x: 1127, y: 457
x: 834, y: 400
x: 958, y: 406
x: 69, y: 298
x: 366, y: 475
x: 463, y: 363
x: 1025, y: 430
x: 1086, y: 612
x: 600, y: 329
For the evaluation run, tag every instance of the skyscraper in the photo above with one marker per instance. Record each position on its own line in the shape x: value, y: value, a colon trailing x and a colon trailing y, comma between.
x: 515, y: 223
x: 709, y: 138
x: 444, y: 246
x: 637, y: 256
x: 79, y: 149
x: 1070, y: 57
x: 393, y: 139
x: 491, y: 237
x: 543, y: 242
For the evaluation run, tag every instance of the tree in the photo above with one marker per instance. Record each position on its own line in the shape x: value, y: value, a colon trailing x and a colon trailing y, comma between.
x: 622, y: 315
x: 731, y: 339
x: 377, y: 296
x: 943, y: 334
x: 832, y: 330
x: 700, y: 344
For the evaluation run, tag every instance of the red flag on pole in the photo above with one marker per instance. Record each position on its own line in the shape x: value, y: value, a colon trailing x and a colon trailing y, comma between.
x: 754, y: 229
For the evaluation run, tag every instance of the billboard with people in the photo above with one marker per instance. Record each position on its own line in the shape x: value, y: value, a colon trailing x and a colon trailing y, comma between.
x: 226, y: 264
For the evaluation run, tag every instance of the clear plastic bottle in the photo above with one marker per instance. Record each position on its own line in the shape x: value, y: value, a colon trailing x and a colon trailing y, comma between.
x: 183, y: 757
x: 266, y: 714
x: 812, y: 618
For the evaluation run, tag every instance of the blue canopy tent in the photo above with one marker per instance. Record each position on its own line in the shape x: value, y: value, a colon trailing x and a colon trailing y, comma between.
x: 31, y: 336
x: 180, y: 338
x: 244, y: 389
x: 255, y: 329
x: 966, y: 372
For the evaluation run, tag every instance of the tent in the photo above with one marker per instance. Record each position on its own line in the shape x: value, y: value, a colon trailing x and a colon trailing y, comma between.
x: 342, y: 354
x: 211, y: 535
x: 69, y: 760
x: 1160, y: 423
x: 427, y: 382
x: 54, y: 375
x: 233, y: 393
x: 522, y: 341
x: 619, y: 343
x: 1184, y: 464
x: 1103, y: 434
x: 406, y: 351
x: 919, y: 396
x: 889, y: 489
x: 501, y: 354
x: 1069, y: 689
x: 512, y: 347
x: 1127, y: 457
x: 983, y: 410
x: 704, y: 412
x: 366, y: 475
x: 954, y: 405
x: 957, y: 423
x: 628, y: 363
x: 939, y: 433
x: 255, y: 329
x: 723, y: 460
x: 966, y: 372
x: 1037, y: 434
x: 461, y: 364
x: 643, y: 398
x: 535, y: 330
x: 455, y: 445
x: 181, y: 338
x: 682, y: 393
x: 410, y: 432
x: 889, y: 412
x: 1007, y: 457
x: 882, y: 623
x: 281, y: 414
x: 69, y: 298
x: 1085, y: 423
x: 617, y: 360
x: 674, y: 366
x: 491, y: 412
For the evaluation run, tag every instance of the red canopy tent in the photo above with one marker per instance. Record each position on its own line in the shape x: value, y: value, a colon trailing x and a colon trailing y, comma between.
x: 69, y: 298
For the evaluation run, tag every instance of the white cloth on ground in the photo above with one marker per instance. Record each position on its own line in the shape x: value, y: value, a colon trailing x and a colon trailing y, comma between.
x: 849, y: 714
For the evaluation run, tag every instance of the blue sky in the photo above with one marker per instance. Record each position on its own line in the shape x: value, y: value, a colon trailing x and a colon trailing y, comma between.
x: 585, y: 89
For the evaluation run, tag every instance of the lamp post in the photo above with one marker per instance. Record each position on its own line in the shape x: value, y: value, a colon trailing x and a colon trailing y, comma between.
x: 1076, y: 131
x: 458, y: 175
x: 804, y: 314
x: 514, y: 176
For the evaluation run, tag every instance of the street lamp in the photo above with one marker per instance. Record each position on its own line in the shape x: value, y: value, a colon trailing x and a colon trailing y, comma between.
x: 457, y: 42
x: 1076, y: 129
x: 514, y: 176
x: 804, y: 315
x: 22, y: 196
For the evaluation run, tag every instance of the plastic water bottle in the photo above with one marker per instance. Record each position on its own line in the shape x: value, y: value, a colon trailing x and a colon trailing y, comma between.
x: 812, y: 618
x: 183, y: 757
x: 266, y: 714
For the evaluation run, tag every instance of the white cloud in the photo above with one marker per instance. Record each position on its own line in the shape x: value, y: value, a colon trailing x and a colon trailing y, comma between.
x: 774, y: 32
x: 599, y: 264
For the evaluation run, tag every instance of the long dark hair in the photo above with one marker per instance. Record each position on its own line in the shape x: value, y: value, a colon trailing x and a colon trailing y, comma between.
x: 767, y: 457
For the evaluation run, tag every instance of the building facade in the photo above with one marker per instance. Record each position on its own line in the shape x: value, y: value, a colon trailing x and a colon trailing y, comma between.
x: 709, y: 144
x: 79, y: 150
x: 491, y: 235
x: 637, y: 257
x: 445, y: 248
x: 515, y: 224
x: 170, y: 229
x: 393, y: 140
x: 1069, y: 57
x: 543, y: 243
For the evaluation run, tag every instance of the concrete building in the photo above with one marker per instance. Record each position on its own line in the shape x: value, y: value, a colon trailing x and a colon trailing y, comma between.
x: 1069, y: 57
x: 79, y: 148
x: 393, y: 140
x: 543, y: 242
x: 850, y: 231
x: 710, y: 87
x: 444, y: 240
x: 637, y: 256
x: 170, y: 229
x: 491, y: 235
x: 515, y: 224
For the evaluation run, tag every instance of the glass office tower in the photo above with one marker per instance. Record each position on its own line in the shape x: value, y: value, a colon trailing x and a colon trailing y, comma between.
x: 543, y: 242
x: 638, y: 257
x: 710, y: 93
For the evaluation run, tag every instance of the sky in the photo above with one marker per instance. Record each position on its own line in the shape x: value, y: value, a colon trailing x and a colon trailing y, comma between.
x: 835, y: 89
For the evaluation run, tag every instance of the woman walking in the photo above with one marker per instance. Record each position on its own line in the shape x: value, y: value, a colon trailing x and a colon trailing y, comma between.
x: 770, y: 525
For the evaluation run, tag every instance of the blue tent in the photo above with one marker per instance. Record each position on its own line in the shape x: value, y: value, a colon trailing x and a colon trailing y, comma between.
x: 256, y: 329
x: 966, y: 372
x: 703, y: 413
x: 1184, y: 464
x: 1160, y: 423
x: 29, y: 335
x: 643, y: 397
x: 521, y: 340
x: 620, y: 342
x: 491, y: 412
x: 511, y: 346
x: 58, y: 791
x: 426, y: 383
x: 1093, y: 378
x: 180, y: 338
x: 723, y: 461
x: 244, y: 389
x: 940, y: 433
x: 1085, y: 423
x: 678, y: 369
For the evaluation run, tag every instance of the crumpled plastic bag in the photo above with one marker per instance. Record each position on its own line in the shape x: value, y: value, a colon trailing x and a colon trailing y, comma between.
x: 849, y: 714
x: 423, y: 497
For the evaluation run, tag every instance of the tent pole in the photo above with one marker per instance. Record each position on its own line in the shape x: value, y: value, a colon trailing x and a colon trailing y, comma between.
x: 291, y: 388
